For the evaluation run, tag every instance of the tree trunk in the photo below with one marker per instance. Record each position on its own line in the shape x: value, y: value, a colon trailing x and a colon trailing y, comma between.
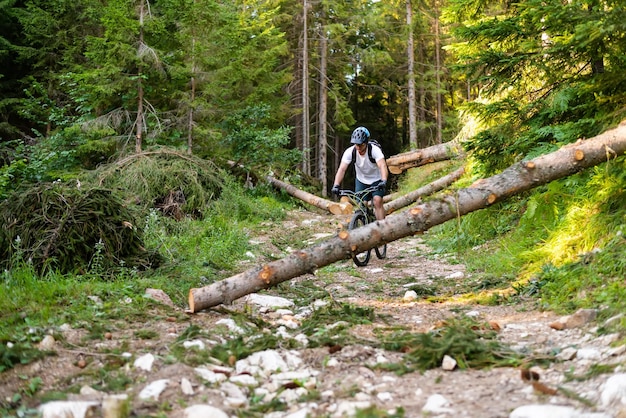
x: 439, y: 152
x: 427, y: 190
x: 306, y: 132
x: 519, y: 177
x: 323, y: 106
x: 438, y: 95
x: 411, y: 77
x: 336, y: 208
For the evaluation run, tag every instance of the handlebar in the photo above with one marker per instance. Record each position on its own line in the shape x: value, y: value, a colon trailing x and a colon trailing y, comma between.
x: 361, y: 194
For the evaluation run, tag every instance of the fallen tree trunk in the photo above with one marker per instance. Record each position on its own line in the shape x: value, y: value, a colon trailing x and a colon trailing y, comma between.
x: 336, y: 208
x: 440, y: 152
x: 427, y: 190
x: 520, y: 177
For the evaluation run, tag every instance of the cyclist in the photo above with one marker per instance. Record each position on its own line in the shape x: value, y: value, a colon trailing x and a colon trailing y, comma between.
x: 368, y: 173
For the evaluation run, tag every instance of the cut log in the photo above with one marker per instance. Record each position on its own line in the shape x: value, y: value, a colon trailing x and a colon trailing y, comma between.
x: 440, y: 152
x: 427, y: 190
x: 517, y: 178
x: 336, y: 208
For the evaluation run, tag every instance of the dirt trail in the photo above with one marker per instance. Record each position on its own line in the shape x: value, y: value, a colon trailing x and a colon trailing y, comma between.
x: 343, y: 378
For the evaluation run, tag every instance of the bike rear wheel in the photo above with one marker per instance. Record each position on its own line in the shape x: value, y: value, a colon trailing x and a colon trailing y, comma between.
x: 381, y: 252
x: 359, y: 219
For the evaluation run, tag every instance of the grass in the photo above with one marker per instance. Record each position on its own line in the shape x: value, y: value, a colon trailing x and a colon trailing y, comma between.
x: 561, y: 245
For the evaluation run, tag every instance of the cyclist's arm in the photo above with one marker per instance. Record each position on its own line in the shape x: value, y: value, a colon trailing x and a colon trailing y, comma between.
x: 382, y: 166
x: 341, y: 171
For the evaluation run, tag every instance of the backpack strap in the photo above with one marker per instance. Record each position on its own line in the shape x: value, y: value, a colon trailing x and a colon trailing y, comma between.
x: 369, y: 153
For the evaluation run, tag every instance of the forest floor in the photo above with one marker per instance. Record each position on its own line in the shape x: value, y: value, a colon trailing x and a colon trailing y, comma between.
x: 342, y: 379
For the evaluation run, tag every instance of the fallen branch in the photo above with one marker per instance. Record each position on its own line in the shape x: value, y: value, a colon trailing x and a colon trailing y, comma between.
x: 440, y: 152
x: 336, y: 208
x: 519, y: 177
x: 427, y: 190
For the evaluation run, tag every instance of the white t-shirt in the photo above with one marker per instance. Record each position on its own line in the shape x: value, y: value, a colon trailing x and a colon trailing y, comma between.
x: 366, y: 172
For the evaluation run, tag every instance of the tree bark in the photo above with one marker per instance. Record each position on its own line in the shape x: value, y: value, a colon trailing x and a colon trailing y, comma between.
x: 322, y: 141
x: 440, y: 152
x: 336, y: 208
x: 411, y: 77
x: 519, y: 177
x: 427, y: 190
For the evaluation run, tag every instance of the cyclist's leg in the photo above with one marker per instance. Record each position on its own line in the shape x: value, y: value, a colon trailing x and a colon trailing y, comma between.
x: 379, y: 210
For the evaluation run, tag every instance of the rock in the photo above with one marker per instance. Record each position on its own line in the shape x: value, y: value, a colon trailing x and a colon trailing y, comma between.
x: 436, y: 404
x: 144, y: 362
x: 199, y: 344
x: 209, y: 375
x: 567, y: 354
x: 268, y: 301
x: 231, y: 325
x: 47, y: 343
x: 186, y: 387
x: 448, y: 363
x: 614, y: 391
x: 552, y: 411
x: 204, y: 411
x: 153, y: 390
x: 409, y: 296
x: 576, y: 320
x: 159, y: 296
x: 69, y: 409
x: 588, y: 354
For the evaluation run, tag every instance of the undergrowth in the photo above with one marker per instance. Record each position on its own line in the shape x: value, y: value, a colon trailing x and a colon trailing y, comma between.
x: 561, y: 244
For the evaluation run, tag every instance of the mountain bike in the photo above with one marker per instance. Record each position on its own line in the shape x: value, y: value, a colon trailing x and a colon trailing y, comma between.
x: 363, y: 214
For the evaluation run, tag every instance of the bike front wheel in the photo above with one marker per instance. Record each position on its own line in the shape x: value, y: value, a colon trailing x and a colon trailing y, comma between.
x: 358, y: 220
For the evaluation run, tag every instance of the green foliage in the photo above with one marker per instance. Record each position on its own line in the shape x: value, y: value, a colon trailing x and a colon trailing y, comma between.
x: 470, y: 343
x: 253, y: 142
x: 60, y: 226
x: 177, y: 184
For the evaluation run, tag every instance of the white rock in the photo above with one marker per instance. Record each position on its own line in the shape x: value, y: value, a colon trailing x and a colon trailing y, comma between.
x: 268, y: 360
x: 301, y: 413
x: 456, y: 275
x: 437, y: 404
x: 154, y: 389
x: 289, y: 323
x: 292, y: 395
x: 588, y: 354
x: 384, y: 397
x: 302, y: 339
x: 91, y: 393
x: 186, y: 387
x: 552, y: 411
x: 268, y: 301
x: 144, y: 362
x: 231, y: 325
x: 244, y: 379
x: 614, y: 391
x: 327, y: 395
x: 199, y: 344
x: 204, y: 411
x: 209, y: 375
x: 332, y: 362
x: 67, y: 409
x: 47, y: 343
x: 380, y: 359
x: 409, y: 295
x: 448, y: 363
x: 349, y: 408
x: 567, y: 354
x: 233, y: 391
x: 617, y: 351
